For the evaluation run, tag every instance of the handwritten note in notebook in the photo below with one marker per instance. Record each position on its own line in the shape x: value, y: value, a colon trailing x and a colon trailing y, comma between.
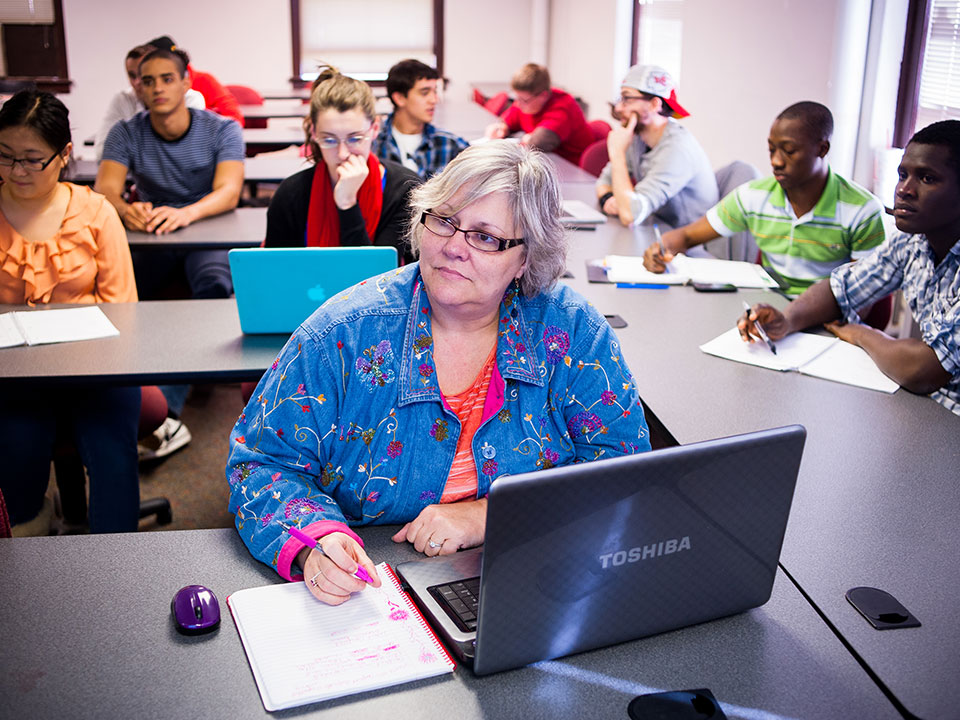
x: 302, y: 651
x: 819, y: 356
x: 39, y: 327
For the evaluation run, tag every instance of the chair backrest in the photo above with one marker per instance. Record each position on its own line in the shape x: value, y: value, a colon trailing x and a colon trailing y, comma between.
x: 498, y: 104
x: 245, y: 95
x: 5, y: 530
x: 595, y: 157
x: 600, y: 129
x: 740, y: 246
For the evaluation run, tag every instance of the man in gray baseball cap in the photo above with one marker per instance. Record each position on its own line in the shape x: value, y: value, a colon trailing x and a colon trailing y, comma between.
x: 656, y: 166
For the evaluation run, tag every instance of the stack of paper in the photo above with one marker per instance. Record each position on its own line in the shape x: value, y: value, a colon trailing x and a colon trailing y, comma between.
x: 303, y: 651
x: 683, y: 269
x: 819, y: 356
x: 38, y: 327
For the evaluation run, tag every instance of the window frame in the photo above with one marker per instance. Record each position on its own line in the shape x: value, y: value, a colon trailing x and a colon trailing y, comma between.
x: 50, y: 83
x: 296, y: 43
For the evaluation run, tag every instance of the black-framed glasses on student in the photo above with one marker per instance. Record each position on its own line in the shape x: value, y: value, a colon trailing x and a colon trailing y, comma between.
x: 627, y: 98
x: 482, y: 241
x: 28, y: 164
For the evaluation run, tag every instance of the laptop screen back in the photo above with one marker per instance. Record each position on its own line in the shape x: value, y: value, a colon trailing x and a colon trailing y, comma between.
x: 589, y: 555
x: 279, y: 288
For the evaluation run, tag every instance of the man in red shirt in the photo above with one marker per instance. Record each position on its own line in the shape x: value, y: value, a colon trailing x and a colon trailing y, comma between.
x: 216, y: 96
x: 550, y: 118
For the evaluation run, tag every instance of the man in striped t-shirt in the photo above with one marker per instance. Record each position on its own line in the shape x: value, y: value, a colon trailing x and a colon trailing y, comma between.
x: 922, y: 260
x: 187, y: 165
x: 806, y: 219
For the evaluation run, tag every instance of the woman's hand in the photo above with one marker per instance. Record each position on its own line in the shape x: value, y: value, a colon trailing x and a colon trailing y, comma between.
x: 330, y: 576
x: 444, y: 529
x: 350, y: 176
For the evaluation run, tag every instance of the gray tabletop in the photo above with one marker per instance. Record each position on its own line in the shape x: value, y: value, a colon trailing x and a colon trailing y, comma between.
x: 159, y: 342
x: 88, y: 634
x: 243, y: 227
x: 877, y: 495
x: 273, y: 108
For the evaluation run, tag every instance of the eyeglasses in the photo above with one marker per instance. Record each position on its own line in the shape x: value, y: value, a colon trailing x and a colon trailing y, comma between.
x: 28, y: 164
x: 332, y: 142
x: 484, y: 242
x: 627, y: 98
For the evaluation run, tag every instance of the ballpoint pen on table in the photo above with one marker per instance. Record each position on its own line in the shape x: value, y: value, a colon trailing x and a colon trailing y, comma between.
x: 360, y: 574
x: 763, y: 333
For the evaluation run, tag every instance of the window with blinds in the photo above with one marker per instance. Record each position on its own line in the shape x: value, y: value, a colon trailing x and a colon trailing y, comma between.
x: 939, y: 96
x: 659, y: 34
x: 364, y: 38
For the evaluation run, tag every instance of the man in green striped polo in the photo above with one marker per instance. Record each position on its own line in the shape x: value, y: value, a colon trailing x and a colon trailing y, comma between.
x: 805, y: 218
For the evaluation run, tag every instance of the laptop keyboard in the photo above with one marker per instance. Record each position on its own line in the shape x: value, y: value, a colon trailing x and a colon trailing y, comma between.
x: 460, y: 601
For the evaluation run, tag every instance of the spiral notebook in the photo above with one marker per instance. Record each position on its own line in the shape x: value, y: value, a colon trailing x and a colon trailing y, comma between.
x: 302, y: 651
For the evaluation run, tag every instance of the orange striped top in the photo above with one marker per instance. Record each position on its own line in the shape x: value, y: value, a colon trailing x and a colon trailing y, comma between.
x: 468, y: 407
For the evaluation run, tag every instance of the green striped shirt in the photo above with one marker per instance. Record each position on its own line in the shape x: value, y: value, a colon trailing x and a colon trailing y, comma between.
x: 845, y: 224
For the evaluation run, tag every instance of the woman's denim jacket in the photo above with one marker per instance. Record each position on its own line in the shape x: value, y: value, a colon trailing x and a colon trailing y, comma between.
x: 349, y: 426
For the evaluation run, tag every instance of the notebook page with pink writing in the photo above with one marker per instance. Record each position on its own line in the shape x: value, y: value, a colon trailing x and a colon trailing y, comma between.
x: 302, y: 651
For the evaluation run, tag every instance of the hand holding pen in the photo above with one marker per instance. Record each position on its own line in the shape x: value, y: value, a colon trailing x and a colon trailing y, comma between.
x: 745, y: 325
x: 327, y: 572
x: 656, y: 257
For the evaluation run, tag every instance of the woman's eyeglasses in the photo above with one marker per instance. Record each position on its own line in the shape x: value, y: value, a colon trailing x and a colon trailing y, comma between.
x: 28, y: 164
x: 332, y: 142
x: 484, y: 242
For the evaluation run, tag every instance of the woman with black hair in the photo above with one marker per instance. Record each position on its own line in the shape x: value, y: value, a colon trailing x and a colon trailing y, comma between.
x: 61, y: 243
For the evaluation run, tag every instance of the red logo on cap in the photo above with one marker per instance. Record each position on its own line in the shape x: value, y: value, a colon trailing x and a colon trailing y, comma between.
x: 659, y: 79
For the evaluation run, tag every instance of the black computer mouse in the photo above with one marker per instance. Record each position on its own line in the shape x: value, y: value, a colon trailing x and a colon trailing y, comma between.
x: 195, y: 610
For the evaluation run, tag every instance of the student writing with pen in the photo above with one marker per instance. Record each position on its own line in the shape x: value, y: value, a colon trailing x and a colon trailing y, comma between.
x: 805, y: 218
x: 922, y: 260
x: 403, y: 399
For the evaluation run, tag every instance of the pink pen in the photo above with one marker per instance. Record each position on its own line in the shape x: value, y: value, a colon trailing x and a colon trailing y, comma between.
x: 360, y: 574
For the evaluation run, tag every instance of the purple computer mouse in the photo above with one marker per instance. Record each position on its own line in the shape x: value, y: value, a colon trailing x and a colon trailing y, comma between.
x: 195, y: 610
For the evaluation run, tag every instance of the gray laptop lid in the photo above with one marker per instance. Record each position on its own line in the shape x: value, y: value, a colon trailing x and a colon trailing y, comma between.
x: 589, y: 555
x: 279, y: 288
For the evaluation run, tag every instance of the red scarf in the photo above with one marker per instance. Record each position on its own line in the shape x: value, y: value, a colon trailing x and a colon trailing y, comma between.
x: 323, y: 222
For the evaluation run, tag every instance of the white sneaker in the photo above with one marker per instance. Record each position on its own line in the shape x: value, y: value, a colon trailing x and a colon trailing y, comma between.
x: 166, y: 439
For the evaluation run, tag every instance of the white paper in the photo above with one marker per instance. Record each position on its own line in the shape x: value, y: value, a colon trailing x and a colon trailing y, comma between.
x: 68, y: 325
x: 630, y: 269
x: 303, y: 651
x: 713, y: 270
x: 816, y: 355
x: 852, y: 365
x: 10, y: 335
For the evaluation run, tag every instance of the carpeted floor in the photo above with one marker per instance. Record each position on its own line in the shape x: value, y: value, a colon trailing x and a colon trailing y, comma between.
x: 193, y: 478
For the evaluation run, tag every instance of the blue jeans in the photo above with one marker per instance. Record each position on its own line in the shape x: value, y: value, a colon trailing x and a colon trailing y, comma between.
x: 101, y: 421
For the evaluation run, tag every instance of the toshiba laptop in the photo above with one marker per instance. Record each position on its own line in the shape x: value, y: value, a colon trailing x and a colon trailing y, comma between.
x: 279, y: 288
x: 592, y: 554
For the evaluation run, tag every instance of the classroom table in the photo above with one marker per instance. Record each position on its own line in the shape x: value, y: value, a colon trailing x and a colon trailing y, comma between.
x: 290, y: 108
x: 242, y: 227
x: 88, y: 634
x: 269, y: 167
x: 876, y: 498
x: 290, y: 93
x: 160, y: 341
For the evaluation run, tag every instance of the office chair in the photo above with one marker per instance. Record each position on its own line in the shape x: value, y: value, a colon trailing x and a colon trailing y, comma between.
x: 248, y: 96
x: 5, y: 528
x: 600, y: 129
x: 740, y: 246
x: 594, y: 157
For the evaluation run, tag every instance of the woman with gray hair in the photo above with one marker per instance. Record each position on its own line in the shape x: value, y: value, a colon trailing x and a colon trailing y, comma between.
x: 403, y: 398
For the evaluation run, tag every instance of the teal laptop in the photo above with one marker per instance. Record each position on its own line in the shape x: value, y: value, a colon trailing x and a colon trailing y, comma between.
x: 279, y: 288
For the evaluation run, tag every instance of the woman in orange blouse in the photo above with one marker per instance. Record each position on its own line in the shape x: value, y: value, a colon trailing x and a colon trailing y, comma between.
x: 61, y: 243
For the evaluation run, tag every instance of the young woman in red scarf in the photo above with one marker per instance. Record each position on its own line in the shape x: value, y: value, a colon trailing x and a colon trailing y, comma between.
x: 350, y: 197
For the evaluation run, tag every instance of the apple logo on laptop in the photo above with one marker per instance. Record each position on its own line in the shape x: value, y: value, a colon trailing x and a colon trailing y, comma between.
x: 317, y: 293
